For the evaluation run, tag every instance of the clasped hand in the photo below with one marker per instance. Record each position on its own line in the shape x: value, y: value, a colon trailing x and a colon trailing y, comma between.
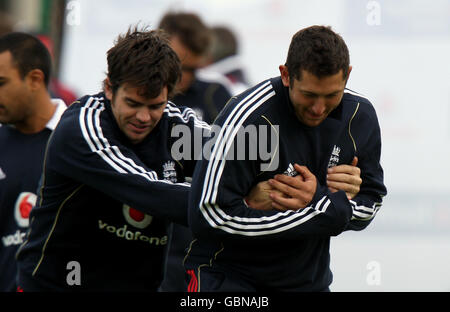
x: 292, y: 193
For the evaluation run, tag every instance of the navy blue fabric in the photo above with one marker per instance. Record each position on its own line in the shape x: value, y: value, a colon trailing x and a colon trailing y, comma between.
x: 283, y: 250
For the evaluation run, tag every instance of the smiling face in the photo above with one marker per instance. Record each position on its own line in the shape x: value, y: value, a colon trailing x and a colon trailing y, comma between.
x: 136, y: 115
x: 314, y: 98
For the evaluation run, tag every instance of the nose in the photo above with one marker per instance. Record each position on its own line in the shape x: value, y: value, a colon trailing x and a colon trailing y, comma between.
x: 143, y: 115
x: 319, y: 106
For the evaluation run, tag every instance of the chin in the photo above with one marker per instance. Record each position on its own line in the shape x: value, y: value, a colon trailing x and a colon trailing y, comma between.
x: 316, y: 122
x: 136, y: 141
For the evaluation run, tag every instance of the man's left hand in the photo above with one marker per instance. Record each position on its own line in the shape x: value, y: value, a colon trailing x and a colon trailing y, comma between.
x: 345, y: 178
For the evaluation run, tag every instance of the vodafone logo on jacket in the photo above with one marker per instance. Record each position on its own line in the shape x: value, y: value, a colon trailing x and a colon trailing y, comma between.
x: 22, y: 208
x: 136, y: 218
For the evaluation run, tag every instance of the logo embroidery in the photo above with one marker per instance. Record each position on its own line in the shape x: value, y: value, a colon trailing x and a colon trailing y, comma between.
x: 136, y: 218
x: 24, y: 203
x: 290, y: 171
x: 2, y: 174
x: 334, y: 159
x: 169, y: 172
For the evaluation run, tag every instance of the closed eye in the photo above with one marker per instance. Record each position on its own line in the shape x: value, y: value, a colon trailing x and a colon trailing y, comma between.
x: 133, y: 103
x: 332, y: 95
x: 309, y: 95
x: 156, y: 106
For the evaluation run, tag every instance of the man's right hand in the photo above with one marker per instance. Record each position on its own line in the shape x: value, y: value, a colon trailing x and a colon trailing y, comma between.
x: 259, y: 196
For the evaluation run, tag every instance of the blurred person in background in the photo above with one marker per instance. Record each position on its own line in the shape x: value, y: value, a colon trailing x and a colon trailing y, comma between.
x: 56, y: 88
x: 206, y: 95
x: 224, y: 58
x: 186, y: 29
x: 190, y: 38
x: 28, y: 116
x: 6, y: 23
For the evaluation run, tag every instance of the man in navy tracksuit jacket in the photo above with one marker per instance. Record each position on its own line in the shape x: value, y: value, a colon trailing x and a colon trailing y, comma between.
x: 110, y: 184
x: 28, y: 116
x: 21, y: 167
x: 317, y: 125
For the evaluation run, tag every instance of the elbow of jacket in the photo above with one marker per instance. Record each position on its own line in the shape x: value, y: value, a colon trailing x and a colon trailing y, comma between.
x: 358, y: 225
x: 196, y: 223
x: 342, y: 220
x: 342, y: 213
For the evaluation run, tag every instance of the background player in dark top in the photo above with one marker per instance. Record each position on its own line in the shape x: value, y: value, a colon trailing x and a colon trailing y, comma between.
x: 27, y: 117
x: 190, y: 38
x: 317, y: 125
x: 110, y: 184
x: 224, y: 58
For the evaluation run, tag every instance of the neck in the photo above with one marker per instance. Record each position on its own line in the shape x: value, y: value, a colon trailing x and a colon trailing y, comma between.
x: 43, y: 112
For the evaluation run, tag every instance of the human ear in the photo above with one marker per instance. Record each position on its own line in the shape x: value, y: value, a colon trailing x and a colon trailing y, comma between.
x: 108, y: 89
x: 35, y: 79
x: 348, y: 73
x: 284, y: 75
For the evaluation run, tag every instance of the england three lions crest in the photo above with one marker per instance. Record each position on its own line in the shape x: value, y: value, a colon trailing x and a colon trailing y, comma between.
x: 334, y: 159
x: 169, y: 171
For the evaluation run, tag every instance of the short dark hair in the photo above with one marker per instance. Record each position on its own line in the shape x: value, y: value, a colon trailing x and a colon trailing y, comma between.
x: 224, y: 43
x: 318, y: 50
x: 28, y: 53
x: 145, y: 60
x: 189, y: 28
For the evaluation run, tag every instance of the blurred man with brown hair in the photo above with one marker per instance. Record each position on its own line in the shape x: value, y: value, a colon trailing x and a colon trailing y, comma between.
x: 224, y: 58
x: 207, y: 95
x: 190, y: 38
x: 6, y: 23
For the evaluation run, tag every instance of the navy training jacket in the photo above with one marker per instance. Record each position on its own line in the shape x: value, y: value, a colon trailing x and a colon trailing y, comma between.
x: 104, y: 203
x: 275, y: 250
